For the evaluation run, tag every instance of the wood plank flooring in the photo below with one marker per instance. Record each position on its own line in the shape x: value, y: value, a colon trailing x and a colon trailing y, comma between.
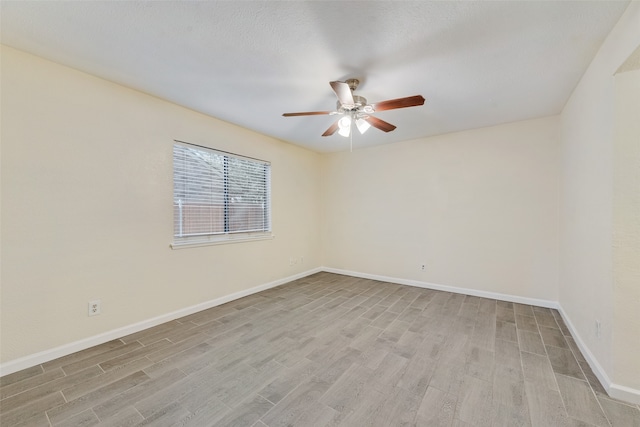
x: 327, y: 350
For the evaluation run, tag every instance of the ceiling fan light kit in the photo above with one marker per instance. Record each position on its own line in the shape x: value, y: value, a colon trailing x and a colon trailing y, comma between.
x: 356, y: 109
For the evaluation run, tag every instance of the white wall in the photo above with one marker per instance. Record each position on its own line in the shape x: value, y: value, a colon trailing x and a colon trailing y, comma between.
x: 587, y: 192
x: 626, y: 231
x: 87, y: 208
x: 480, y: 208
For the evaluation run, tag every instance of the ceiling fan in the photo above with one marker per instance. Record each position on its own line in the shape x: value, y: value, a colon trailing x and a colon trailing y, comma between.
x: 355, y: 110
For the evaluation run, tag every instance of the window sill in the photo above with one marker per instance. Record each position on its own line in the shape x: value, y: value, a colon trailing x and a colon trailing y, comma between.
x: 221, y: 241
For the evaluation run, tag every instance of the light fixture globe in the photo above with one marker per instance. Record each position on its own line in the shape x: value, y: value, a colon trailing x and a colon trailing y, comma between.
x: 344, y: 125
x: 362, y: 125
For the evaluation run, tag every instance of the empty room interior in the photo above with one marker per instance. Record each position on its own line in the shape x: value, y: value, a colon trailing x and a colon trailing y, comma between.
x: 181, y: 244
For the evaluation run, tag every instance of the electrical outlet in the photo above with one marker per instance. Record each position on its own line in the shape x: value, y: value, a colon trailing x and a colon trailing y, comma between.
x: 423, y: 267
x: 598, y: 328
x: 95, y: 307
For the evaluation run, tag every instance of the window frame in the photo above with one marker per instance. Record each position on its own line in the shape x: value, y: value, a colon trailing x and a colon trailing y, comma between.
x: 226, y: 237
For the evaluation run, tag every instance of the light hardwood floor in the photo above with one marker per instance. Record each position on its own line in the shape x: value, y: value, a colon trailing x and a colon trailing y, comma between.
x: 327, y: 350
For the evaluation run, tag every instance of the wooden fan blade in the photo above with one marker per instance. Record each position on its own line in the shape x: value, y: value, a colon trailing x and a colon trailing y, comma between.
x: 410, y: 101
x: 308, y: 113
x: 332, y: 129
x: 380, y: 124
x: 343, y: 93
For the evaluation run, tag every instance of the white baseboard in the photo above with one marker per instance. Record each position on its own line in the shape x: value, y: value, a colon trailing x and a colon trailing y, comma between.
x: 591, y: 359
x: 627, y: 394
x: 437, y: 287
x: 616, y: 391
x: 66, y: 349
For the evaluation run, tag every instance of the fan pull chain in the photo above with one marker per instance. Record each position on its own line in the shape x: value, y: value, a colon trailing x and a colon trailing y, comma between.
x: 351, y: 141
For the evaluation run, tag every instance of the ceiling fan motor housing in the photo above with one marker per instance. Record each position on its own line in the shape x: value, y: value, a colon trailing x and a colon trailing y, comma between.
x: 358, y: 103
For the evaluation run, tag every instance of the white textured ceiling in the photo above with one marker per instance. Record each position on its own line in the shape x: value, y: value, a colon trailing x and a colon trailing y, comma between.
x: 247, y: 62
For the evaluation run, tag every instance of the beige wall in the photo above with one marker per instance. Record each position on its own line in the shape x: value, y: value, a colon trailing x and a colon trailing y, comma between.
x: 626, y: 231
x: 87, y: 208
x: 480, y: 208
x: 587, y: 193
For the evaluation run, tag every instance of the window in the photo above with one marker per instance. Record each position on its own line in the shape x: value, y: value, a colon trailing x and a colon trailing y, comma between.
x: 218, y: 197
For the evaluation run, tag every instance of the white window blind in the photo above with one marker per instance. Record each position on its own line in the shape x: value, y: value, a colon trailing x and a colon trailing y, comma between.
x: 217, y: 195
